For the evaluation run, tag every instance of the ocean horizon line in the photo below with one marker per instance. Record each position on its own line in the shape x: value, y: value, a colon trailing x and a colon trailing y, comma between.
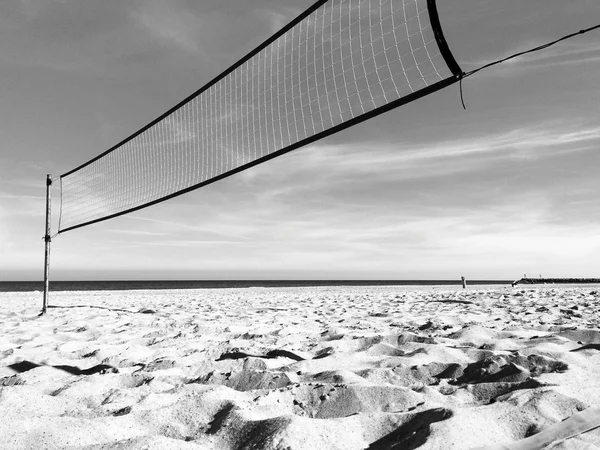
x: 92, y: 285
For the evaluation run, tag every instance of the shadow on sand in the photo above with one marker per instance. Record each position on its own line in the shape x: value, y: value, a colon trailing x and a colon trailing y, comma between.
x: 413, y: 433
x: 141, y: 311
x: 25, y: 366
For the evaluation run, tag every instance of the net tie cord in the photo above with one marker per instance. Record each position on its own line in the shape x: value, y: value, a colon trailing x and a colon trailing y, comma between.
x: 516, y: 55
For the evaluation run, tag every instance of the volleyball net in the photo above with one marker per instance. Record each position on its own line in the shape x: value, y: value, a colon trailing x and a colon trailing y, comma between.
x: 339, y: 63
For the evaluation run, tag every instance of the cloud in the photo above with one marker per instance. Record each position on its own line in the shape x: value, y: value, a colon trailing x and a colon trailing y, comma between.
x: 115, y: 39
x: 137, y: 233
x: 276, y: 20
x: 279, y: 18
x: 431, y: 159
x: 502, y: 240
x: 21, y: 196
x: 575, y: 52
x: 185, y: 226
x: 23, y: 205
x: 173, y: 243
x: 408, y: 196
x: 170, y: 23
x: 566, y: 53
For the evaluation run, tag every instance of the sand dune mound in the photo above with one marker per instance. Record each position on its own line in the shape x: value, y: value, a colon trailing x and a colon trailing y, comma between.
x: 340, y: 400
x: 248, y: 380
x: 509, y: 368
x: 583, y: 336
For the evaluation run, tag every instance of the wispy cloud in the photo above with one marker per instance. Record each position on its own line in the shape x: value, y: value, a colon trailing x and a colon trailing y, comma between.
x: 565, y: 53
x: 137, y: 233
x: 188, y: 227
x: 175, y: 243
x: 21, y: 196
x: 576, y: 52
x: 430, y: 159
x: 170, y: 23
x: 277, y: 19
x: 23, y: 205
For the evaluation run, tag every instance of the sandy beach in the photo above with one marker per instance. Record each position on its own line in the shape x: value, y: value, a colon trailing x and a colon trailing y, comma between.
x: 302, y: 368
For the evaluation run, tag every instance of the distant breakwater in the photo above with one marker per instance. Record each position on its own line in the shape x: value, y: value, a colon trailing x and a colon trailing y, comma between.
x: 557, y: 281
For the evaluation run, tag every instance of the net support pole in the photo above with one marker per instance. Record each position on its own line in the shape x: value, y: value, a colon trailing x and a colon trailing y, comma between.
x: 47, y: 240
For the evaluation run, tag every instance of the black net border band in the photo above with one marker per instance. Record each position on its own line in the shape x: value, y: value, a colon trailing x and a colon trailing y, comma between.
x: 434, y: 18
x: 444, y: 49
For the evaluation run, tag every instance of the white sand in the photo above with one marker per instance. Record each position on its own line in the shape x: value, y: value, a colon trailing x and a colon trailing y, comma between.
x: 298, y: 368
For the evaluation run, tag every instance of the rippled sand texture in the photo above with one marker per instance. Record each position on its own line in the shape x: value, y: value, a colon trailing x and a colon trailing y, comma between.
x: 297, y: 368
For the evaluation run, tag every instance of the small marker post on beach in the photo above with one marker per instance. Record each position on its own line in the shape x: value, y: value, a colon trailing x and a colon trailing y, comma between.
x: 47, y: 240
x: 464, y: 282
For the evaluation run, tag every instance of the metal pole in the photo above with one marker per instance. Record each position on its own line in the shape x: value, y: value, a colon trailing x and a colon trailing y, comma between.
x: 47, y: 240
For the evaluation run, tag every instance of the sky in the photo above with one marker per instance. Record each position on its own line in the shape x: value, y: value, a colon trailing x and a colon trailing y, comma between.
x: 507, y: 187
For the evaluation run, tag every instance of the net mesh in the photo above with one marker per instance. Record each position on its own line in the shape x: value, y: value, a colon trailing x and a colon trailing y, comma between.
x: 343, y: 60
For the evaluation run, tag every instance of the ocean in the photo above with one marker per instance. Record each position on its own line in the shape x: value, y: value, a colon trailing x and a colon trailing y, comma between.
x: 127, y: 285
